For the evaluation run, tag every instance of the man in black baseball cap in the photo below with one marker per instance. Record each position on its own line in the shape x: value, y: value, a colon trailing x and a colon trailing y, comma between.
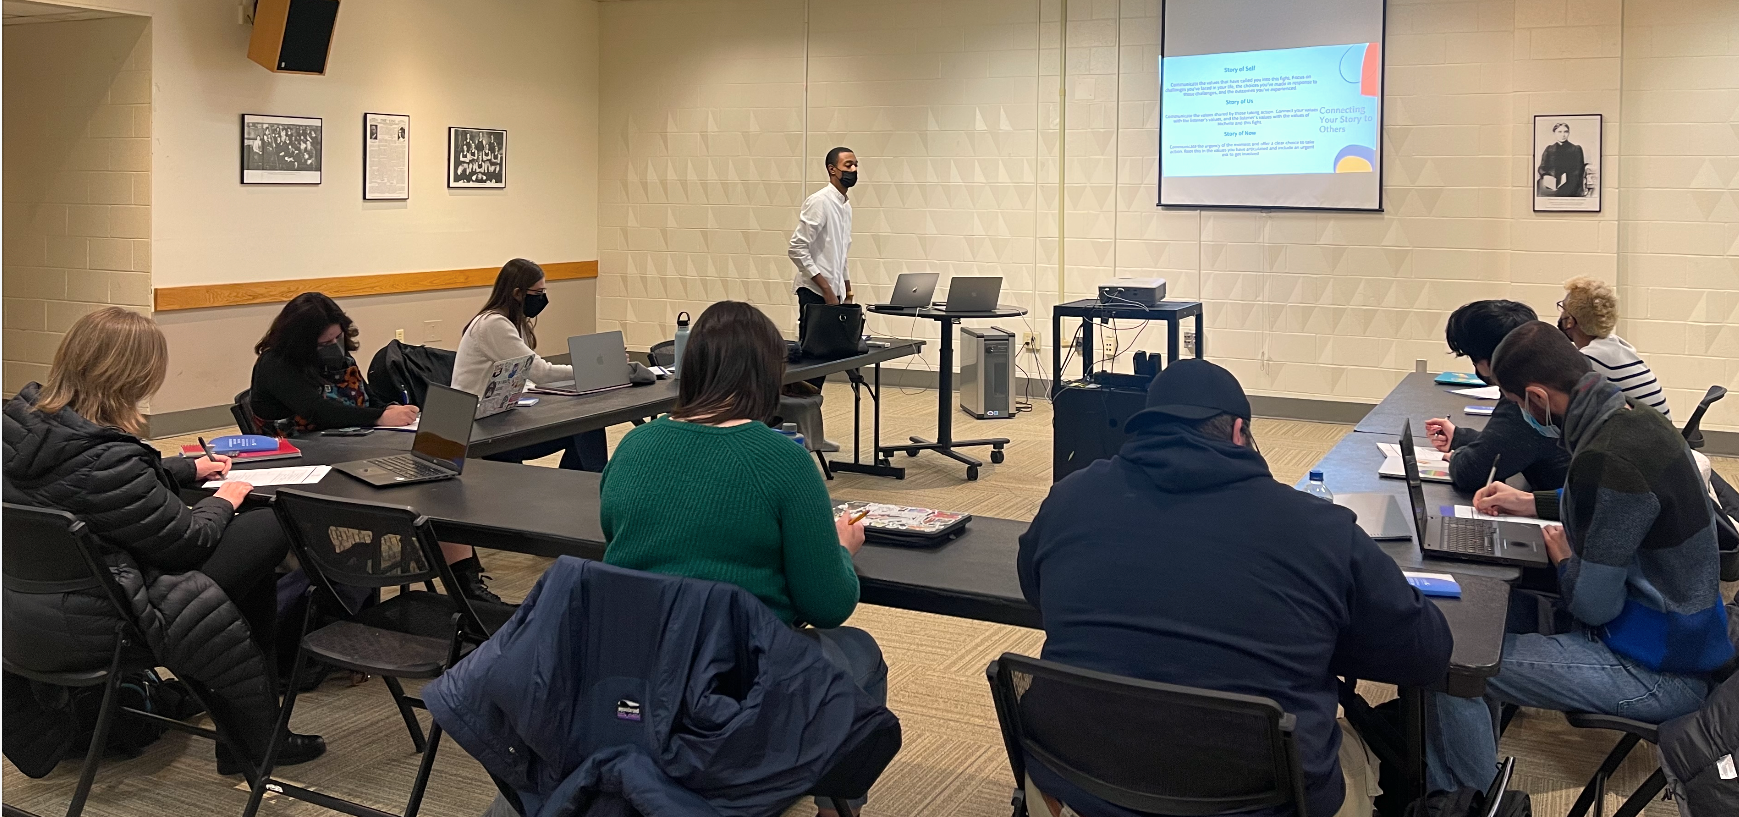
x: 1181, y: 560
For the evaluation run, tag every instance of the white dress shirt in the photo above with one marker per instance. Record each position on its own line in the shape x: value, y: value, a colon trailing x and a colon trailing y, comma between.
x: 822, y: 241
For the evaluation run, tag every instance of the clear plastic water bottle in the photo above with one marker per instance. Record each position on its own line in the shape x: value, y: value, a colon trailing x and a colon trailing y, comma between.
x: 681, y: 341
x: 1317, y: 488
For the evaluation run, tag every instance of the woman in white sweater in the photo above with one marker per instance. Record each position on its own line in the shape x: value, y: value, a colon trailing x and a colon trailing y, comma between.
x: 1588, y: 314
x: 505, y: 329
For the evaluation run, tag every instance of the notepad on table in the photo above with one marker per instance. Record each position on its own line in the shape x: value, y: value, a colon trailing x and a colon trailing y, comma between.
x: 1441, y: 585
x: 1467, y: 512
x: 1433, y: 467
x: 303, y: 475
x: 411, y: 427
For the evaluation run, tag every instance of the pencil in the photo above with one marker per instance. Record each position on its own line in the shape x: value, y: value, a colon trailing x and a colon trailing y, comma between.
x: 859, y: 518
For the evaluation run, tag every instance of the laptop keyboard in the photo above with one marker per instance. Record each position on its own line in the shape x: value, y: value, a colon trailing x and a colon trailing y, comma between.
x: 1469, y: 536
x: 408, y: 467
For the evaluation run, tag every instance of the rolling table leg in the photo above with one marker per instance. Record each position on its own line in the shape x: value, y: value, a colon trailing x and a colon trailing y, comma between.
x: 878, y: 465
x: 945, y: 442
x: 1172, y: 341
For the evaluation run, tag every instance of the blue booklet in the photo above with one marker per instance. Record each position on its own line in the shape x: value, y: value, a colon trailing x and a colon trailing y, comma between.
x: 1459, y: 379
x: 1434, y: 584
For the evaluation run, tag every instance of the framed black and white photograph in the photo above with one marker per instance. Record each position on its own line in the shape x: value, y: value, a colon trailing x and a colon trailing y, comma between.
x: 386, y: 157
x: 1567, y: 163
x: 281, y: 149
x: 476, y: 157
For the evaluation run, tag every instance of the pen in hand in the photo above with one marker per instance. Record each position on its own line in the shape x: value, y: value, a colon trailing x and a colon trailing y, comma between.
x: 406, y: 395
x: 1493, y: 476
x: 207, y: 449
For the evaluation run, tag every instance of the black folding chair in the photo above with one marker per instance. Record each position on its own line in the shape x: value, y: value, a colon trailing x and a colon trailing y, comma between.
x: 49, y: 552
x: 1156, y: 748
x: 415, y: 634
x: 1693, y: 429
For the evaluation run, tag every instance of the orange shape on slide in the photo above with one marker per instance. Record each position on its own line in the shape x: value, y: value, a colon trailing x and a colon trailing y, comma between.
x: 1370, y: 77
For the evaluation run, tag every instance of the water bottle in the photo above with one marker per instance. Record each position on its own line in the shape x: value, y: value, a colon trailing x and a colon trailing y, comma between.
x: 790, y: 430
x: 1317, y: 488
x: 681, y: 341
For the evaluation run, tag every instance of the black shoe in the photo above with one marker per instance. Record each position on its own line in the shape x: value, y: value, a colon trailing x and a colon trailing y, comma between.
x: 296, y: 749
x: 474, y: 584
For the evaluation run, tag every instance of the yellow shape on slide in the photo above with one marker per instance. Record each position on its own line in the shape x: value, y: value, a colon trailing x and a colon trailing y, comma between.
x: 1352, y: 164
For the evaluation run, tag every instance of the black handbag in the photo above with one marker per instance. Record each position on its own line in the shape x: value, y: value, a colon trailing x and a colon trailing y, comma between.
x: 831, y: 331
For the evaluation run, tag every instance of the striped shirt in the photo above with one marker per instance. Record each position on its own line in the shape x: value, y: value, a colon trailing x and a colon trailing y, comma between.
x: 1617, y: 360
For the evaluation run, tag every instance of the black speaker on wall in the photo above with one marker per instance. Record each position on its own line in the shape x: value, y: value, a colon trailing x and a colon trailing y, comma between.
x: 1087, y: 419
x: 293, y: 36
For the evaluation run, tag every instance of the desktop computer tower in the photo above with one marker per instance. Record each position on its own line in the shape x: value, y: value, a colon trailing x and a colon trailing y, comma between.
x: 987, y: 373
x: 1087, y: 419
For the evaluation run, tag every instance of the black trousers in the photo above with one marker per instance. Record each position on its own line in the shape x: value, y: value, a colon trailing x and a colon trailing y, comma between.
x: 244, y: 565
x: 586, y: 451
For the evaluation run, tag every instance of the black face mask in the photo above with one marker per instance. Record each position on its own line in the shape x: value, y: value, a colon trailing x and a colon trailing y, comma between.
x: 332, y: 357
x: 535, y: 302
x: 847, y: 179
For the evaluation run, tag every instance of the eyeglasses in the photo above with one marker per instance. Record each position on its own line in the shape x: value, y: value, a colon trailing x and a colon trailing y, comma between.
x: 1560, y: 306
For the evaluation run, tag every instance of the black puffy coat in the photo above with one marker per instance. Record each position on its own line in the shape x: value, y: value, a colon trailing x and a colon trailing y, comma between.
x: 1698, y: 751
x: 126, y: 493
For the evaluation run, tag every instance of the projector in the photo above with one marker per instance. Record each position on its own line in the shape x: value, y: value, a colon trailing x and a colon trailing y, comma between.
x: 1132, y: 292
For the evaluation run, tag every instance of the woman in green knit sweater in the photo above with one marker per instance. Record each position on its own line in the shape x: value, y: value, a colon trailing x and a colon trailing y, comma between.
x: 711, y: 492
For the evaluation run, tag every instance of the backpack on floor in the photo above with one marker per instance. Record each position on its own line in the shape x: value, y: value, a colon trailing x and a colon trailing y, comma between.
x: 1498, y: 801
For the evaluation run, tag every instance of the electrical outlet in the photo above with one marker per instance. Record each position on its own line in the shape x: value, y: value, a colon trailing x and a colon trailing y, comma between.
x: 1031, y: 341
x: 1189, y: 342
x: 431, y: 331
x: 399, y: 335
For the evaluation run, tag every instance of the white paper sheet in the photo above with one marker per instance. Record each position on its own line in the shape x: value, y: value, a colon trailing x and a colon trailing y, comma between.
x: 301, y: 475
x: 1481, y: 393
x: 1423, y: 454
x: 1467, y: 512
x: 411, y: 427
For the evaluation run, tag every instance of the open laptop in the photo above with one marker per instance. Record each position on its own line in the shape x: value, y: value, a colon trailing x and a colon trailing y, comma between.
x: 506, y: 381
x: 973, y: 294
x: 914, y: 290
x: 437, y: 452
x: 600, y: 362
x: 1473, y: 540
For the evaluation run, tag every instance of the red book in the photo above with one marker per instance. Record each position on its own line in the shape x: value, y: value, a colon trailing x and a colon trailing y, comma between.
x: 285, y: 450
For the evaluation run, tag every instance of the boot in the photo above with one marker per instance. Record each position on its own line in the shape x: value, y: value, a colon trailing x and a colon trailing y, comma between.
x: 296, y: 749
x: 473, y: 582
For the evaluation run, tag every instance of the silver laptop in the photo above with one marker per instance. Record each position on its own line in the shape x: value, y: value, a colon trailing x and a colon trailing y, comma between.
x: 973, y: 294
x: 1380, y: 515
x: 437, y: 452
x: 502, y: 388
x: 600, y: 362
x: 914, y: 289
x: 1517, y: 544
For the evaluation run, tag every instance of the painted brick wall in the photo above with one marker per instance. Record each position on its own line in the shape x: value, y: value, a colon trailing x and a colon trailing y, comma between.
x: 953, y: 108
x: 77, y: 188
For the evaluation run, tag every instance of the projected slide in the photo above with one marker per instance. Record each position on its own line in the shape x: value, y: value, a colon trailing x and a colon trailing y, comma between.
x: 1280, y: 112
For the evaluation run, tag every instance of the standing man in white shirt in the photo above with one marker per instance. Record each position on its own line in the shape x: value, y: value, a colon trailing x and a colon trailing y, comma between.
x: 822, y: 240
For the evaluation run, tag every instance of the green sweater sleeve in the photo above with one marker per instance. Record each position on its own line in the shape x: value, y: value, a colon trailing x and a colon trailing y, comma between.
x: 818, y: 571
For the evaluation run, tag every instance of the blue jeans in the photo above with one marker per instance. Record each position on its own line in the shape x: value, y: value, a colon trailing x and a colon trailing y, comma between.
x: 1568, y: 672
x: 856, y: 652
x: 586, y: 451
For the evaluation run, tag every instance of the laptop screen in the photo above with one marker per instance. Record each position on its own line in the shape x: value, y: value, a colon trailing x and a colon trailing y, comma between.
x: 1415, y: 486
x: 444, y: 430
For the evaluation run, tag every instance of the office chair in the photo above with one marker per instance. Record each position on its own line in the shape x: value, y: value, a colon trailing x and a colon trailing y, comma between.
x: 1160, y: 748
x: 243, y: 412
x: 415, y: 634
x: 1693, y: 429
x: 49, y: 552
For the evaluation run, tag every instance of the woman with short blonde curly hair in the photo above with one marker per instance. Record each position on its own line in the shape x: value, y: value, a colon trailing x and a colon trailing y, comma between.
x: 1588, y: 314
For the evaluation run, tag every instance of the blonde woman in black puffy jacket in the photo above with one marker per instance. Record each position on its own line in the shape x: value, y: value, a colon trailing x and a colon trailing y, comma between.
x: 72, y: 445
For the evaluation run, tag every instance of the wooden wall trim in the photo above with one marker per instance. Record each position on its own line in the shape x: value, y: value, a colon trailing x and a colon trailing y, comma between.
x: 205, y: 296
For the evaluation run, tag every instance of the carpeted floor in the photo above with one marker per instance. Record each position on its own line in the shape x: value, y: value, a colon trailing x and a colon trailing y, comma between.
x: 952, y: 764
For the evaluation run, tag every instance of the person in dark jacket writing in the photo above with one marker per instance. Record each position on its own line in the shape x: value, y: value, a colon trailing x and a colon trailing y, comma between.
x: 1181, y: 560
x: 1474, y: 331
x: 305, y: 374
x: 1637, y: 561
x: 72, y: 445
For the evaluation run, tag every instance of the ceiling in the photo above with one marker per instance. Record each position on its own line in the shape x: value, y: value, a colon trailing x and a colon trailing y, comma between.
x: 19, y: 12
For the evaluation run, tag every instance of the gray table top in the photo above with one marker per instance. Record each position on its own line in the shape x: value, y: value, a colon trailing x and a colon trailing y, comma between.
x: 1418, y: 399
x: 556, y: 416
x: 551, y: 512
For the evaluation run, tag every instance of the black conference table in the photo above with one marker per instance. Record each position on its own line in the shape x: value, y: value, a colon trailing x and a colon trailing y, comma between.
x: 1418, y: 399
x: 557, y: 416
